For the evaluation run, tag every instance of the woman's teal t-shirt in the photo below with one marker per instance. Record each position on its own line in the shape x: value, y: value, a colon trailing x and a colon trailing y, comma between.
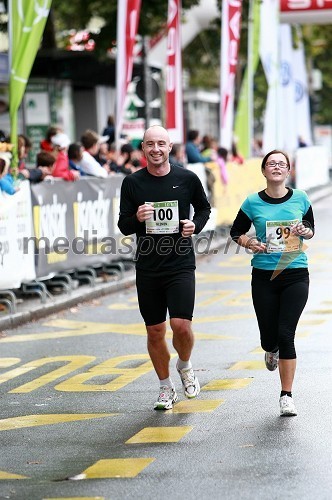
x: 272, y: 222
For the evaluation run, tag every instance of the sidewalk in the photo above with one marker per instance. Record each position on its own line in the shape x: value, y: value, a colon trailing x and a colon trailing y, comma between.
x: 30, y: 309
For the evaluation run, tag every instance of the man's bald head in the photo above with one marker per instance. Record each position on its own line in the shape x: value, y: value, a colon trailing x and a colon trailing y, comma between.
x: 156, y: 130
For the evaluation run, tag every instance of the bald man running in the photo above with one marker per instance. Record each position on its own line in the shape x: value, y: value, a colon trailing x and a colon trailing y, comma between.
x: 155, y: 205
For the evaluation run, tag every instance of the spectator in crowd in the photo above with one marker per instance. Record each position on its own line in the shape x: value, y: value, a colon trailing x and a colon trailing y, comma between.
x: 45, y: 164
x: 75, y: 155
x: 128, y: 158
x: 102, y: 155
x: 109, y: 130
x: 301, y: 142
x: 222, y: 155
x: 24, y: 146
x: 177, y: 155
x: 235, y: 155
x: 192, y: 148
x: 6, y: 179
x: 209, y: 147
x: 91, y: 143
x: 113, y: 162
x: 46, y: 144
x: 60, y: 143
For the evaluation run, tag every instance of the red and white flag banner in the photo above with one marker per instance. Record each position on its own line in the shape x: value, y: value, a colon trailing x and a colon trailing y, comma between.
x: 306, y: 11
x: 127, y: 25
x: 295, y: 5
x: 174, y: 100
x: 230, y: 25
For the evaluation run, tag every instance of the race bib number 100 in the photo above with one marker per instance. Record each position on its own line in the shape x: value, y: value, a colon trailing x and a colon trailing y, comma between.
x: 279, y: 237
x: 165, y: 218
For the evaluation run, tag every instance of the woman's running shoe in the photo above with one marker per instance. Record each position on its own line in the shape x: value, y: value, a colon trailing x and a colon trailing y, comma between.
x: 287, y: 407
x: 271, y: 360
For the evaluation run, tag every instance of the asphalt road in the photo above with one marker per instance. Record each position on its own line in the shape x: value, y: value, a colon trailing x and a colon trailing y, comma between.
x: 77, y: 393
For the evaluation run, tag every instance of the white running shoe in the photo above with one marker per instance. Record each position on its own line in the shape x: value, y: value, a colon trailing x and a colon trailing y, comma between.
x: 271, y: 360
x: 167, y: 396
x: 190, y: 383
x: 287, y: 407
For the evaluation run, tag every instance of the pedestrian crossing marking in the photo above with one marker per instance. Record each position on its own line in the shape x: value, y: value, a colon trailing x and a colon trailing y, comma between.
x: 13, y: 423
x: 6, y: 362
x: 248, y: 365
x: 196, y: 406
x: 117, y: 468
x: 10, y: 475
x: 160, y: 435
x: 225, y: 384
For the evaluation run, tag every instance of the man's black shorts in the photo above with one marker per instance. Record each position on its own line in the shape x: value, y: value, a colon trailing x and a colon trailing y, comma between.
x: 173, y: 291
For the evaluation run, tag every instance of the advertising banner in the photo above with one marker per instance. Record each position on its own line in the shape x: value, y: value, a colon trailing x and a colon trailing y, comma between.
x: 306, y: 11
x: 16, y: 266
x: 75, y: 225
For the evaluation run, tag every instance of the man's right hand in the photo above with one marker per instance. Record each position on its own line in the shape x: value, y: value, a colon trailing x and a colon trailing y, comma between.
x: 144, y: 212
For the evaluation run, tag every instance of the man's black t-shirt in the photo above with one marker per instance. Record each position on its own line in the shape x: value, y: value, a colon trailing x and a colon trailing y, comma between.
x: 163, y: 252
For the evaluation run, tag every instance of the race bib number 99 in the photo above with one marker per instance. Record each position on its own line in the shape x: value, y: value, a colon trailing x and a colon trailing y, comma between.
x: 165, y: 218
x: 279, y: 237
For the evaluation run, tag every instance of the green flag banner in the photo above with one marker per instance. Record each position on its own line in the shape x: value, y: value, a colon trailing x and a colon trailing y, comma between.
x: 27, y: 21
x: 243, y: 122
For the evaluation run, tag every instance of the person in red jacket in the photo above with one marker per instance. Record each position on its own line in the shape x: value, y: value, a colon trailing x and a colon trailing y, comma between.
x: 61, y: 169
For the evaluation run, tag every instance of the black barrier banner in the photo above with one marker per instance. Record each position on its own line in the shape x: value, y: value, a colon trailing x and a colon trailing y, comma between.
x: 75, y: 224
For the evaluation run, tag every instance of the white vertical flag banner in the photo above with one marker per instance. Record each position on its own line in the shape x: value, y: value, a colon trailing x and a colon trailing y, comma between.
x: 302, y: 106
x: 269, y: 54
x: 230, y: 39
x: 287, y: 120
x: 127, y: 24
x: 174, y: 100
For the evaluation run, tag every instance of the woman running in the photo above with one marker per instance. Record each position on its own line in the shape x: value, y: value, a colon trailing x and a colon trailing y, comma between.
x: 282, y: 218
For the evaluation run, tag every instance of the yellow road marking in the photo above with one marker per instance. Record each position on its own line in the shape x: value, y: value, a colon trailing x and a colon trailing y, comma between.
x: 73, y: 362
x: 216, y: 296
x: 80, y: 328
x: 227, y: 383
x: 236, y: 261
x: 109, y: 367
x: 258, y: 350
x: 117, y: 467
x: 219, y: 278
x: 312, y: 322
x: 9, y: 475
x: 225, y: 317
x: 248, y: 365
x: 321, y: 311
x: 6, y: 362
x: 8, y: 424
x: 196, y: 406
x: 160, y: 435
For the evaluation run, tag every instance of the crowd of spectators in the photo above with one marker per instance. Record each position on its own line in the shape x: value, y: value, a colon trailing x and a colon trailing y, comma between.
x: 96, y: 155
